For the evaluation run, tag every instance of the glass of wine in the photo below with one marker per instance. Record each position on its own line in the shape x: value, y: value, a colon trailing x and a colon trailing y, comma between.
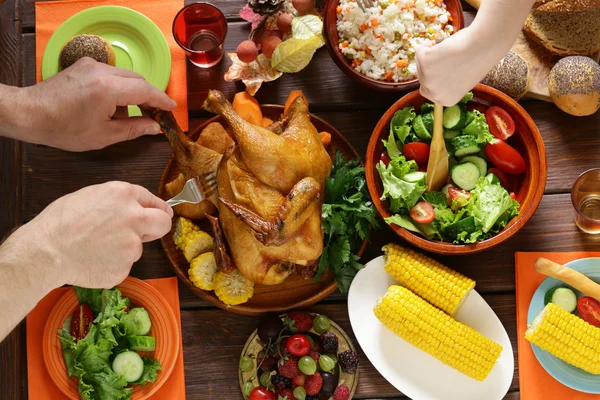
x: 585, y: 196
x: 200, y: 30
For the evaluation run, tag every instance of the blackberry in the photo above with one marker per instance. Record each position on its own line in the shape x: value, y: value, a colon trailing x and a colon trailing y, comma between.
x: 280, y: 381
x: 315, y: 397
x: 329, y: 342
x: 348, y: 361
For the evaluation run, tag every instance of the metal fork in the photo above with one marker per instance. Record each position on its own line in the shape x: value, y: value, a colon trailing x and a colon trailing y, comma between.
x: 364, y: 4
x: 196, y: 190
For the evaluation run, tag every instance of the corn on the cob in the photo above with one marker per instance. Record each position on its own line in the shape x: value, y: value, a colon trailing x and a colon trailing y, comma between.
x: 439, y: 285
x: 190, y: 239
x: 436, y: 333
x: 567, y: 337
x: 233, y: 288
x: 202, y: 271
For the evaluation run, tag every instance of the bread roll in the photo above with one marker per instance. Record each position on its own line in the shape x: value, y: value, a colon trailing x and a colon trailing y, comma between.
x: 86, y: 46
x: 565, y: 5
x: 575, y: 85
x: 510, y: 75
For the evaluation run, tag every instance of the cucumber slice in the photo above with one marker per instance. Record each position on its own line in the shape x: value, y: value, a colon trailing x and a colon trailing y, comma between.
x: 464, y: 146
x: 493, y: 179
x: 479, y: 162
x: 454, y: 117
x: 137, y: 322
x: 141, y: 343
x: 465, y: 175
x: 128, y: 364
x: 565, y: 298
x: 448, y: 134
x: 420, y: 128
x: 415, y: 176
x: 464, y: 225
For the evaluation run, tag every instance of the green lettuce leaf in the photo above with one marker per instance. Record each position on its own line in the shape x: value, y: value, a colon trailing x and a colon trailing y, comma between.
x: 402, y: 195
x: 151, y: 368
x: 491, y: 205
x: 391, y: 146
x: 478, y: 127
x: 91, y: 297
x: 400, y: 124
x: 466, y: 98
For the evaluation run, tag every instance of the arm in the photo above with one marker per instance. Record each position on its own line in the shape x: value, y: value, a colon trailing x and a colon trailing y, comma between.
x: 81, y: 108
x: 447, y: 71
x: 89, y: 238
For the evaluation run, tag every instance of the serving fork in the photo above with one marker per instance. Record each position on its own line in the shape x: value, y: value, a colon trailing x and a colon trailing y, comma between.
x: 196, y: 190
x: 364, y: 4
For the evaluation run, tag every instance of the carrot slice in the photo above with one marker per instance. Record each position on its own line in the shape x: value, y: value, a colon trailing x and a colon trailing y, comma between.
x: 325, y: 138
x: 266, y: 122
x: 248, y: 108
x: 291, y: 98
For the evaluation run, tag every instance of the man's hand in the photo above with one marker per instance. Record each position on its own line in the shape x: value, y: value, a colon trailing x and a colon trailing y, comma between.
x: 83, y: 107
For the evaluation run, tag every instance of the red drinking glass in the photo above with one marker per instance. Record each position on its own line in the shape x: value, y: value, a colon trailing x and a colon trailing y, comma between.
x: 200, y: 30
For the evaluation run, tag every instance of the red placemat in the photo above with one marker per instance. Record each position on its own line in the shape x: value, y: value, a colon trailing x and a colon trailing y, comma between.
x: 41, y: 386
x: 535, y: 382
x: 49, y: 15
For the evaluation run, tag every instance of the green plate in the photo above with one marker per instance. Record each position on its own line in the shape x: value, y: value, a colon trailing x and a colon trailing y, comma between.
x: 138, y: 43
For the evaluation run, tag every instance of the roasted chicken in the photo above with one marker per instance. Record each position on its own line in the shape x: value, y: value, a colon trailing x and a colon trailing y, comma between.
x: 270, y: 191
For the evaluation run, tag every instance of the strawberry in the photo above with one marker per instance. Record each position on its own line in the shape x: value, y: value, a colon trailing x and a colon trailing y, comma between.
x: 313, y: 384
x: 341, y: 393
x: 289, y: 367
x: 315, y: 356
x: 302, y: 321
x: 299, y: 380
x: 285, y: 394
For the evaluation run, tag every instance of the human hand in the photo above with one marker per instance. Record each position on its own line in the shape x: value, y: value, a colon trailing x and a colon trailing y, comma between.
x: 92, y: 237
x: 83, y: 107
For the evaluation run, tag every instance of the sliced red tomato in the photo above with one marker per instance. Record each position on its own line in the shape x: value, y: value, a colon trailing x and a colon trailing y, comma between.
x: 456, y: 193
x: 417, y: 151
x: 500, y: 122
x: 504, y: 181
x: 477, y: 106
x: 81, y: 321
x: 513, y: 195
x: 385, y: 158
x: 422, y: 212
x: 505, y: 157
x: 589, y: 309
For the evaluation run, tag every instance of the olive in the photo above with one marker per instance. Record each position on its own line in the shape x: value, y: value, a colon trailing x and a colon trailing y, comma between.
x: 330, y: 382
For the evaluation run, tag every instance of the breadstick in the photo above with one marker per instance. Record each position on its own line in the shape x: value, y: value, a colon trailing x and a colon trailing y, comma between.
x: 569, y: 276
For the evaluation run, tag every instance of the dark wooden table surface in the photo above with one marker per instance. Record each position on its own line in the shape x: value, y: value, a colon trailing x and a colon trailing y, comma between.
x: 33, y: 176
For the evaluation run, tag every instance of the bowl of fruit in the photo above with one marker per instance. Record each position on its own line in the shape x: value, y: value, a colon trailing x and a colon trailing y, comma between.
x: 298, y: 355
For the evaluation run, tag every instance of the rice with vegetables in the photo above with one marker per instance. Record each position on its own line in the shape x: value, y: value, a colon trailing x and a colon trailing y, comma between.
x: 381, y: 42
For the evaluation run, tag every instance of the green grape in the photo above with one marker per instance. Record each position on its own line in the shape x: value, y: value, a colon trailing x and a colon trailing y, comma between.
x: 326, y: 363
x: 265, y: 379
x: 246, y: 364
x: 299, y: 393
x: 307, y: 365
x: 247, y: 388
x: 321, y: 324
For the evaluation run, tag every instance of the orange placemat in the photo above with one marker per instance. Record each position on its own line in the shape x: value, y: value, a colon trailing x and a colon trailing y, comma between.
x: 49, y: 15
x: 41, y: 386
x: 535, y: 382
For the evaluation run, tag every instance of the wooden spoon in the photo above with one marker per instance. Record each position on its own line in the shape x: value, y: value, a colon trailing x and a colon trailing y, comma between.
x: 569, y: 276
x: 437, y: 167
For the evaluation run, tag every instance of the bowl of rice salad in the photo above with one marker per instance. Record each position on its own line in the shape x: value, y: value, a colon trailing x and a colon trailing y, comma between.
x: 376, y: 47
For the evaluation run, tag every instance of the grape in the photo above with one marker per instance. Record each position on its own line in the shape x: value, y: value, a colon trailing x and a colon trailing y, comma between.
x: 307, y: 365
x: 247, y: 388
x: 265, y: 380
x: 246, y: 364
x: 321, y: 324
x: 330, y: 382
x: 326, y: 363
x: 269, y: 328
x: 299, y: 393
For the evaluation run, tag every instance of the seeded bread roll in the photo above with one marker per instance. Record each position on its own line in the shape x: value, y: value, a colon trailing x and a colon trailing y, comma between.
x: 86, y: 46
x: 510, y: 75
x: 575, y: 85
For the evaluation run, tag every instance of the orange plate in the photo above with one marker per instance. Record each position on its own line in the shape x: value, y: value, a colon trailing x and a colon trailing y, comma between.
x: 528, y: 187
x: 294, y: 292
x: 164, y: 329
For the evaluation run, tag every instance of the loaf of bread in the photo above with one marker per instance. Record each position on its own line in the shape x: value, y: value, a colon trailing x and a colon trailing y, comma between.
x: 86, y: 46
x: 510, y: 75
x: 565, y: 5
x: 574, y: 85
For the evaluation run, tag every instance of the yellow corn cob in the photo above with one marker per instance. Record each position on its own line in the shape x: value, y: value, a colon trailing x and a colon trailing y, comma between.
x: 202, y: 271
x: 233, y: 288
x: 439, y: 285
x: 436, y: 333
x: 567, y: 337
x: 190, y: 239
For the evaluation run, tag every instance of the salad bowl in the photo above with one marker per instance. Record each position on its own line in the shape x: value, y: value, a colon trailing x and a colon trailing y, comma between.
x: 528, y: 187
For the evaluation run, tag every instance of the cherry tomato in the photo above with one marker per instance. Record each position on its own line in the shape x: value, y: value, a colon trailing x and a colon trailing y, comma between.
x: 505, y: 157
x: 589, y: 309
x: 261, y: 393
x: 457, y: 193
x: 385, y: 158
x: 513, y: 195
x: 81, y: 321
x: 477, y: 106
x: 417, y: 151
x: 422, y: 212
x: 298, y: 345
x: 504, y: 181
x: 500, y: 122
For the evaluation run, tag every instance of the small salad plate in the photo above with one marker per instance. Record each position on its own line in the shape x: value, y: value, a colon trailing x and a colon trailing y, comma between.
x: 566, y: 374
x: 412, y: 371
x: 138, y: 43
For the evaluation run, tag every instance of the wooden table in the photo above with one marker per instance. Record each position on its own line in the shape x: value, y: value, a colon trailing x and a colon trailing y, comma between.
x: 33, y: 176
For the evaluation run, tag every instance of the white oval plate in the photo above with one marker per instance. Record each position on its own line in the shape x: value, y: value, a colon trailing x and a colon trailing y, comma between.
x: 412, y: 371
